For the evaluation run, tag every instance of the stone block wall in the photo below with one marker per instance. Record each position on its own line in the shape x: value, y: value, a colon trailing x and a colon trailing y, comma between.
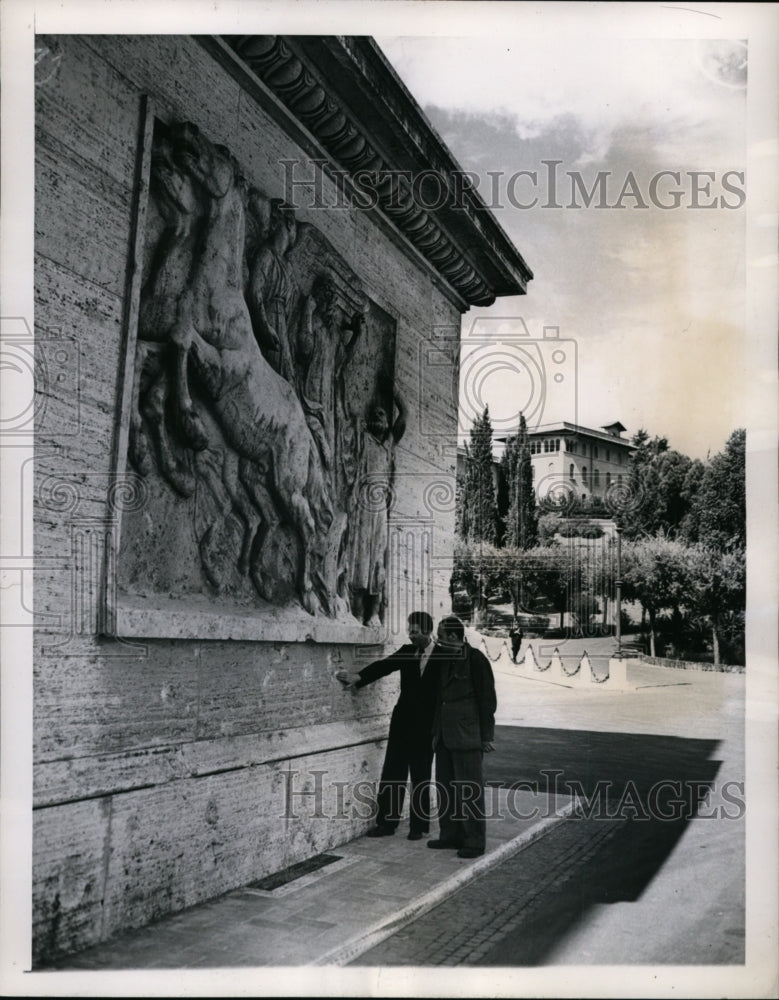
x: 163, y: 765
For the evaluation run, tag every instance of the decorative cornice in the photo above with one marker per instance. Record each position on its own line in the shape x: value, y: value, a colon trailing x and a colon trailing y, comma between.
x: 349, y: 98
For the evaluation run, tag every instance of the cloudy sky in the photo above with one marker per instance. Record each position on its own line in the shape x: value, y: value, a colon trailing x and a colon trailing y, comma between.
x: 653, y: 297
x: 656, y: 306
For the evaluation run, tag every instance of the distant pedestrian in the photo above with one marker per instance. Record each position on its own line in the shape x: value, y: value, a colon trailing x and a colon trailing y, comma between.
x: 410, y: 740
x: 516, y: 635
x: 463, y: 730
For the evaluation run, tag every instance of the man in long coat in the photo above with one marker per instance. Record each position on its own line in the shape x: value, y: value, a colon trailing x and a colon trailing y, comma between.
x: 463, y: 731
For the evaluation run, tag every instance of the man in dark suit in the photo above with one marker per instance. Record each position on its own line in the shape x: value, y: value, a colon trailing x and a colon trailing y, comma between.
x: 410, y: 741
x: 463, y: 731
x: 516, y: 636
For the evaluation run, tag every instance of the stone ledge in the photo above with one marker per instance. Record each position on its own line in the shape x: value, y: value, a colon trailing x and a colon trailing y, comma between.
x: 58, y: 782
x: 200, y: 618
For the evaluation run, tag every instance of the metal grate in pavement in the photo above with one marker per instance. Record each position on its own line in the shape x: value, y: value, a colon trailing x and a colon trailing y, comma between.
x: 287, y: 875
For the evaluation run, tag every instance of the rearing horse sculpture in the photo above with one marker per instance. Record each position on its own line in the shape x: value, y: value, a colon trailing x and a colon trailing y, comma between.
x: 257, y: 410
x: 177, y: 199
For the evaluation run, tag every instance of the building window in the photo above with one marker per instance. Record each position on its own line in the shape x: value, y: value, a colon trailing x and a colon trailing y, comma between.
x: 597, y: 477
x: 572, y: 471
x: 595, y: 451
x: 557, y: 444
x: 584, y: 474
x: 608, y: 479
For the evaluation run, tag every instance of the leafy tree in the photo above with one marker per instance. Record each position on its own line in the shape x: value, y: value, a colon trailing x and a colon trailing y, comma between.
x: 521, y: 516
x: 479, y: 569
x: 549, y: 525
x: 660, y: 495
x: 656, y: 572
x: 688, y: 526
x: 718, y: 593
x: 720, y: 504
x: 563, y: 576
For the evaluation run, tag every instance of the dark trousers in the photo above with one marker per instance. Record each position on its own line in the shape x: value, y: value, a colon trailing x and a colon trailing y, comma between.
x: 409, y: 751
x: 460, y: 787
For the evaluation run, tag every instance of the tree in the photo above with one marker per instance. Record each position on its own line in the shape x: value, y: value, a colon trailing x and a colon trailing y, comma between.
x: 660, y: 498
x: 462, y: 513
x: 718, y: 593
x: 656, y: 572
x: 720, y: 504
x: 521, y: 517
x: 478, y: 569
x: 549, y: 525
x: 478, y: 518
x: 688, y: 527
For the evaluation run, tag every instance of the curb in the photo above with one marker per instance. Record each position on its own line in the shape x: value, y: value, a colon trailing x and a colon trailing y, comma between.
x: 385, y: 928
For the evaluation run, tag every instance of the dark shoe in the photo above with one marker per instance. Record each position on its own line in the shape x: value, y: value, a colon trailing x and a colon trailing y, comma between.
x: 415, y: 835
x: 381, y: 831
x: 443, y: 845
x: 470, y: 852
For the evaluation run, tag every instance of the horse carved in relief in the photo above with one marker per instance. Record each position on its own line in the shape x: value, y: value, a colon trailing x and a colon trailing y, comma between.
x: 257, y: 410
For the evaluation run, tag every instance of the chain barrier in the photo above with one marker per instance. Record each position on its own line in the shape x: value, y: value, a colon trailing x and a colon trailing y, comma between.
x: 538, y: 667
x: 494, y: 659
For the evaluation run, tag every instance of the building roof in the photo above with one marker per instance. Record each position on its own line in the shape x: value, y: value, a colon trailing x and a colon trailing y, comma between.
x: 352, y: 104
x: 566, y: 428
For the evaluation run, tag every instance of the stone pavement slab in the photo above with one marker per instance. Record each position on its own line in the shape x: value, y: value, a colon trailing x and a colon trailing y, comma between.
x: 331, y: 916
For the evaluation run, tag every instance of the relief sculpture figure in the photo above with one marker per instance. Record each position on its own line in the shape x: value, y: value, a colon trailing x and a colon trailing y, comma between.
x: 323, y: 353
x: 368, y: 521
x: 267, y: 413
x: 271, y: 291
x: 161, y: 298
x: 257, y: 410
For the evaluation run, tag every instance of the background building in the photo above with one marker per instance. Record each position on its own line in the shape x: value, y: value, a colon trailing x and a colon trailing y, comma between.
x: 578, y: 460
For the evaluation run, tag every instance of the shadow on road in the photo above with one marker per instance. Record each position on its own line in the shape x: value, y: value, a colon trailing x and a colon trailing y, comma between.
x: 656, y: 784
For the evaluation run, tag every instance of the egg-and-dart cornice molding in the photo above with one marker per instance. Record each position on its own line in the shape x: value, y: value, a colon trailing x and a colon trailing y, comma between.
x: 349, y: 98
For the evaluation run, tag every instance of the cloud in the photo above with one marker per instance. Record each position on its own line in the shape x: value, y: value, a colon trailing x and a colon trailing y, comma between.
x: 653, y: 298
x: 670, y: 86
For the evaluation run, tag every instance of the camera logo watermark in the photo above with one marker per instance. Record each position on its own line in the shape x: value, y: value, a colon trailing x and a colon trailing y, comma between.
x: 501, y: 362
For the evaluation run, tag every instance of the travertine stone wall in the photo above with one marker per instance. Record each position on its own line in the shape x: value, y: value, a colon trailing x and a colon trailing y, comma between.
x: 163, y: 766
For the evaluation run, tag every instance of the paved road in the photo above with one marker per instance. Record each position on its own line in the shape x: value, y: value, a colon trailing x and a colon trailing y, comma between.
x: 654, y: 876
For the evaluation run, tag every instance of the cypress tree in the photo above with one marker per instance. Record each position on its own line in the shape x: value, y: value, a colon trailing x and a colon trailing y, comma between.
x: 478, y: 503
x: 521, y: 520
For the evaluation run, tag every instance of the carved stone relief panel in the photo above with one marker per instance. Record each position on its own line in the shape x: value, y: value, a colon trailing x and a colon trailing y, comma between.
x: 264, y: 413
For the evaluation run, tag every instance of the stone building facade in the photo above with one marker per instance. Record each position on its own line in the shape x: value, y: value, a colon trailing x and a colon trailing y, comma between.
x: 576, y: 462
x: 248, y: 293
